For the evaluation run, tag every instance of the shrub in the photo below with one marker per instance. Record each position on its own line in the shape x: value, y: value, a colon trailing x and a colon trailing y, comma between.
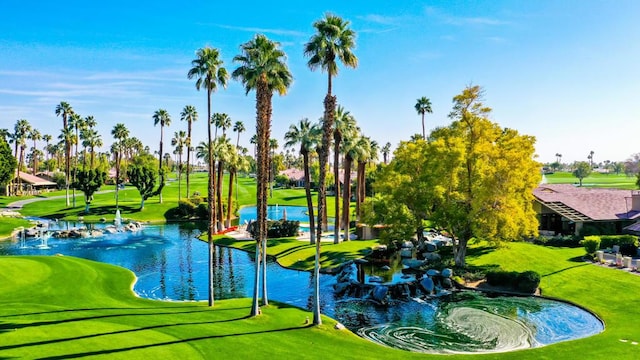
x: 558, y: 241
x: 502, y: 278
x: 591, y: 244
x: 528, y: 281
x: 282, y: 228
x: 607, y: 241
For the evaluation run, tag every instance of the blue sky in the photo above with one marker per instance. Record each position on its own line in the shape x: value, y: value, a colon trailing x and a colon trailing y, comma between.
x: 566, y: 72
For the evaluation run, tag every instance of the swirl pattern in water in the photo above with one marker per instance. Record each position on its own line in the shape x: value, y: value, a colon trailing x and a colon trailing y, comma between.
x: 470, y: 323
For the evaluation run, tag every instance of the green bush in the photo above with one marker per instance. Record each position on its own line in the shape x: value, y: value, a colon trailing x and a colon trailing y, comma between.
x: 591, y: 244
x: 528, y: 281
x: 276, y: 229
x: 502, y: 278
x: 607, y: 241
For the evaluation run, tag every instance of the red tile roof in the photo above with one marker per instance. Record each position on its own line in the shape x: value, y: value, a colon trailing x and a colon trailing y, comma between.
x: 594, y: 203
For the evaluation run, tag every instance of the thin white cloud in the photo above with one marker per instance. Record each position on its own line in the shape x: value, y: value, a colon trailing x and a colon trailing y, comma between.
x: 251, y: 29
x: 381, y: 19
x: 463, y: 20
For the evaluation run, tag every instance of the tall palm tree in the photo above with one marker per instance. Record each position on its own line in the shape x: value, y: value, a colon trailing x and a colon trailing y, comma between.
x: 334, y: 41
x: 236, y: 162
x: 76, y: 122
x: 20, y: 135
x: 239, y: 128
x: 344, y: 125
x: 308, y: 136
x: 120, y: 133
x: 386, y: 149
x: 423, y: 106
x: 34, y: 135
x: 209, y: 73
x: 162, y: 117
x: 190, y: 115
x: 369, y: 152
x: 222, y: 151
x: 222, y: 121
x: 273, y: 146
x: 179, y: 140
x: 65, y: 110
x: 92, y: 140
x: 262, y: 68
x: 47, y: 139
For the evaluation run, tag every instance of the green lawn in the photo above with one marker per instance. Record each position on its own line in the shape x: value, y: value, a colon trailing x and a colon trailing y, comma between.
x: 103, y: 205
x: 620, y: 181
x: 41, y: 316
x: 8, y: 224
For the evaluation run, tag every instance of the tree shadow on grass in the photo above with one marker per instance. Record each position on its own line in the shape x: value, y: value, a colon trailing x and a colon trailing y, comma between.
x: 565, y: 269
x: 173, y: 342
x: 134, y: 330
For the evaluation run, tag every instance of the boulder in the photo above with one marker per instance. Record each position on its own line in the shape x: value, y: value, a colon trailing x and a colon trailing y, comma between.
x: 427, y: 285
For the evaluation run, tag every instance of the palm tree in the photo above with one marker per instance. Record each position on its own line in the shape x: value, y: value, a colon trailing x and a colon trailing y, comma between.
x: 179, y: 140
x: 344, y: 125
x: 386, y: 149
x: 209, y: 72
x: 235, y: 162
x: 222, y: 151
x: 333, y: 41
x: 76, y: 122
x: 353, y: 148
x: 262, y: 68
x: 162, y: 117
x: 222, y: 121
x: 368, y: 153
x: 308, y: 136
x: 190, y: 115
x: 423, y: 106
x: 590, y: 157
x: 273, y: 146
x: 120, y: 133
x: 34, y: 135
x: 20, y: 134
x: 92, y: 140
x: 239, y: 128
x: 64, y: 109
x: 47, y: 138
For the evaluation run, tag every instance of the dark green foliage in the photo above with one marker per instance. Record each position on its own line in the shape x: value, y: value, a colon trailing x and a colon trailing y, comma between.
x: 59, y: 179
x: 591, y: 244
x: 8, y: 163
x: 607, y: 241
x: 281, y: 180
x: 89, y: 181
x: 603, y: 228
x: 277, y: 229
x: 502, y: 278
x: 628, y: 250
x: 558, y: 241
x: 143, y: 177
x: 528, y: 281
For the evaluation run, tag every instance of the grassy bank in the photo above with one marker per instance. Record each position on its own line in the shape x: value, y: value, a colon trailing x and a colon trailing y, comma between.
x: 42, y: 315
x: 8, y: 224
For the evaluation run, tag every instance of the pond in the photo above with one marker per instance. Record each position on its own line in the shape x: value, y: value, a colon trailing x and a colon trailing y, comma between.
x: 171, y: 264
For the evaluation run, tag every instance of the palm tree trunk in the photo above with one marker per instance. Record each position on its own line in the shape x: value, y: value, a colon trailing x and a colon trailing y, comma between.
x: 188, y: 171
x: 346, y: 200
x: 424, y: 137
x: 336, y: 174
x: 210, y: 200
x: 230, y: 197
x: 255, y: 309
x: 219, y: 196
x: 307, y: 189
x: 265, y: 297
x: 160, y: 157
x: 179, y: 174
x: 67, y: 169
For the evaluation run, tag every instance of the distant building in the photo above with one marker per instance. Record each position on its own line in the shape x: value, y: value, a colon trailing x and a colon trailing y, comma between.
x: 567, y: 209
x: 296, y: 177
x: 29, y: 184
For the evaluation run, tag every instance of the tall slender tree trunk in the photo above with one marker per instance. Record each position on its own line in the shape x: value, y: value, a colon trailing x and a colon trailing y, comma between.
x: 230, y: 197
x: 75, y: 167
x: 424, y: 133
x: 219, y: 195
x: 307, y: 189
x: 265, y: 297
x: 67, y: 164
x: 160, y: 157
x: 188, y: 171
x: 346, y: 200
x: 336, y: 174
x: 210, y: 200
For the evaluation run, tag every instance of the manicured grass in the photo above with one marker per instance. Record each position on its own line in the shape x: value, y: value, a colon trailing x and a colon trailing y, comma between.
x: 293, y: 253
x: 8, y: 224
x: 42, y: 316
x: 620, y: 181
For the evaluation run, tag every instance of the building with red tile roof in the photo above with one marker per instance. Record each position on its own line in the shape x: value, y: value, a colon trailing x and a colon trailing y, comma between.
x: 568, y: 209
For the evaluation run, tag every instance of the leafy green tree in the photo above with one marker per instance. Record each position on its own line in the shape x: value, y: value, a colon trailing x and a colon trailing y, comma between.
x: 333, y: 41
x: 210, y: 73
x: 262, y: 68
x: 582, y: 170
x: 144, y: 178
x: 89, y: 181
x: 8, y: 163
x: 423, y: 106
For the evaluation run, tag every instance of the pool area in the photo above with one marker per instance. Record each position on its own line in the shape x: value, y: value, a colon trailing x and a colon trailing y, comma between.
x: 171, y: 264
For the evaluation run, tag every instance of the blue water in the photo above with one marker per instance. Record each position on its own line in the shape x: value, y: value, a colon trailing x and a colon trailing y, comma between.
x: 276, y: 212
x: 171, y: 264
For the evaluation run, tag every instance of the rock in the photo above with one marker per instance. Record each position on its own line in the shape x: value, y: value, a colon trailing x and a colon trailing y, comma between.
x: 407, y: 245
x: 447, y: 273
x: 406, y: 253
x: 380, y: 293
x: 339, y: 326
x: 433, y: 272
x: 431, y: 246
x: 375, y: 279
x: 427, y: 285
x: 447, y: 283
x: 432, y: 256
x: 386, y: 268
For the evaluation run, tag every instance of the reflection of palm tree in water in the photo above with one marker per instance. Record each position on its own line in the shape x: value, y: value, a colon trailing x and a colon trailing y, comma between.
x: 232, y: 278
x: 163, y: 273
